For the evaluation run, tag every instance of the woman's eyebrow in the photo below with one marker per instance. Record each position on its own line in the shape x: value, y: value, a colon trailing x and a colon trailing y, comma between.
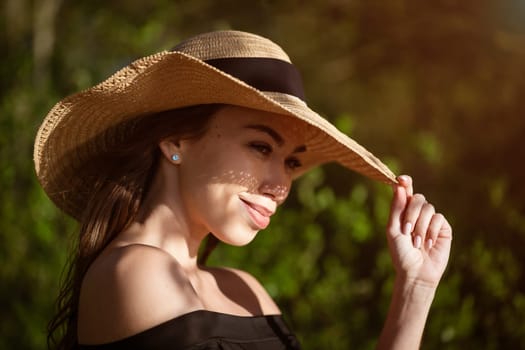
x: 300, y: 149
x: 274, y: 135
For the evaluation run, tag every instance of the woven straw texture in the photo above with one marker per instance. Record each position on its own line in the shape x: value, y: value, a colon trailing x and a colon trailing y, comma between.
x: 77, y: 128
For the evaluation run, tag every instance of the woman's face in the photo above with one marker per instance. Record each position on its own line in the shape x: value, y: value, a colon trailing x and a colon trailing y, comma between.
x: 234, y: 177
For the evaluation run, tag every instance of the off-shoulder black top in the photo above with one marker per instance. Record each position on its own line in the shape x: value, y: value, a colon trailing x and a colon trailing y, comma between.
x: 204, y: 329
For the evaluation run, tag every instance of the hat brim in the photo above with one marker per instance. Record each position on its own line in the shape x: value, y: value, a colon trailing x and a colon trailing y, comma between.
x: 164, y: 81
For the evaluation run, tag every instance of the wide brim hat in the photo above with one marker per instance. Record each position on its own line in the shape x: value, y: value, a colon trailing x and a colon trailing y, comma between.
x: 223, y: 67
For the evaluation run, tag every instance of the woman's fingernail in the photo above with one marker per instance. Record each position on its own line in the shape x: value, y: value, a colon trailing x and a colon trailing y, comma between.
x: 408, y: 228
x: 429, y: 243
x: 417, y: 242
x: 404, y: 178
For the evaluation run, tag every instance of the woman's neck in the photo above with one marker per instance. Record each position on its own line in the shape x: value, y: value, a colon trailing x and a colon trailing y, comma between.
x: 163, y: 222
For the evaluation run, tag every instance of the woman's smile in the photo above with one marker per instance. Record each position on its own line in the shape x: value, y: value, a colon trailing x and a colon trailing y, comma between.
x: 259, y: 209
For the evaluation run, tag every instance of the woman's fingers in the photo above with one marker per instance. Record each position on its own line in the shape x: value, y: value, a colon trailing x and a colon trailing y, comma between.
x: 420, y: 221
x: 399, y: 202
x: 422, y: 224
x: 402, y: 193
x: 434, y: 229
x: 419, y: 239
x: 406, y: 182
x: 411, y: 214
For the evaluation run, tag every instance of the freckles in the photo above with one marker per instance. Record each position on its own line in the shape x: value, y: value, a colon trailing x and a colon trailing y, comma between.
x: 281, y: 191
x: 247, y: 180
x: 242, y: 178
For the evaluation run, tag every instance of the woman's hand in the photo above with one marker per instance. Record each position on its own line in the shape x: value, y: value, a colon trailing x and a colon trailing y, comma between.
x: 419, y: 238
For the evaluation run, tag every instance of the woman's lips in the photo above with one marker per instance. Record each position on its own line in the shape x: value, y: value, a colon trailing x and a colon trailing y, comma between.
x: 260, y: 215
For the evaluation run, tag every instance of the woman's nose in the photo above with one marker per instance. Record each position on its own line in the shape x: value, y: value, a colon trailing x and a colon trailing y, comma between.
x: 276, y: 192
x: 276, y: 184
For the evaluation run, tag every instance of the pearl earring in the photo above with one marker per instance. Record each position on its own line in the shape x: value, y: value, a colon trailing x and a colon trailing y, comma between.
x: 175, y: 157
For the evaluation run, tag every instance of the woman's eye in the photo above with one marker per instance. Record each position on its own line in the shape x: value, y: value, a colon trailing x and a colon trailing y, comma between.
x: 262, y: 148
x: 293, y: 163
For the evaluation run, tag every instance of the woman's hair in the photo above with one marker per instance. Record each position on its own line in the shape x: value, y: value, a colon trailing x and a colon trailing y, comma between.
x: 115, y: 199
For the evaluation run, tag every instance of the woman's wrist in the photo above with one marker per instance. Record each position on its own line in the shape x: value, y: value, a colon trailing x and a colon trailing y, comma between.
x: 405, y: 323
x: 413, y: 289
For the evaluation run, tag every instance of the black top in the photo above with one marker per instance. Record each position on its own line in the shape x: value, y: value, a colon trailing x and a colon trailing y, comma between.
x: 204, y: 329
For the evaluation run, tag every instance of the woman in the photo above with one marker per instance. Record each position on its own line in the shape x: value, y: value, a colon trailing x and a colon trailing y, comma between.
x: 204, y: 141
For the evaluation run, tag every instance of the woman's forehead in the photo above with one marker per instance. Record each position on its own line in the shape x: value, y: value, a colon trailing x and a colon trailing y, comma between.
x: 280, y: 127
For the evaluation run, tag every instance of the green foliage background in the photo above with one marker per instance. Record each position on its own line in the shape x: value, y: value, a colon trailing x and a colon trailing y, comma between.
x: 434, y: 88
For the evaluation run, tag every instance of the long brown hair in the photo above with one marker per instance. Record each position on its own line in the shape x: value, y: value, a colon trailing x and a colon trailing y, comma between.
x: 115, y: 199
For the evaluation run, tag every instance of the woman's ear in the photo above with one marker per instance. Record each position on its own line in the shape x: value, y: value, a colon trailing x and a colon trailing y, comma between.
x: 170, y: 150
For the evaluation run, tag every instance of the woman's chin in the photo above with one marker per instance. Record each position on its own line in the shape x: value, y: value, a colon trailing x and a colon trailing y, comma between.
x: 239, y: 238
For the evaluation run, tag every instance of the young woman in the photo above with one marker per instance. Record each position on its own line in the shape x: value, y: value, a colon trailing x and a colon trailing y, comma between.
x: 204, y: 141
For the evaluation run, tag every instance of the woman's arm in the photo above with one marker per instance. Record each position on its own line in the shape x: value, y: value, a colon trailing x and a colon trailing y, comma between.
x: 419, y: 240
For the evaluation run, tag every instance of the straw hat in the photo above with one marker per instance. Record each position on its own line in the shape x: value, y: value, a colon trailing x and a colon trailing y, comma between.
x: 226, y: 67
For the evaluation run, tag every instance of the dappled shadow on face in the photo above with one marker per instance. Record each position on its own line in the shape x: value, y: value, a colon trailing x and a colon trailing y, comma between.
x: 248, y: 181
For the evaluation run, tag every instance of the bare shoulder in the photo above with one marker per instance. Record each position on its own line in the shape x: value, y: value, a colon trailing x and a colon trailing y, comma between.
x: 130, y: 289
x: 245, y: 289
